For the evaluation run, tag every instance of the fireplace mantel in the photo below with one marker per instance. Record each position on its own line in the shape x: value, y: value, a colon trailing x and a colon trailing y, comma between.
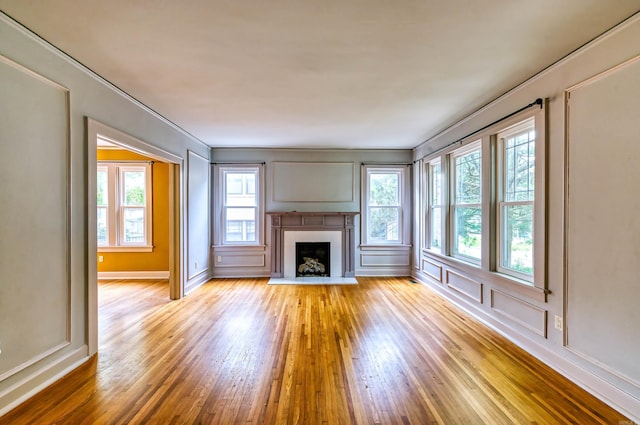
x: 317, y: 221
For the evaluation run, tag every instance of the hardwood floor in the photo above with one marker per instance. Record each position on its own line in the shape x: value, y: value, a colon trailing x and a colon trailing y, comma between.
x: 238, y: 351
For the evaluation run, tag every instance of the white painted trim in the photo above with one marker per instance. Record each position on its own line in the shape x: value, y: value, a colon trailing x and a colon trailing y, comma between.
x: 34, y: 383
x: 600, y: 388
x: 197, y: 282
x: 134, y: 275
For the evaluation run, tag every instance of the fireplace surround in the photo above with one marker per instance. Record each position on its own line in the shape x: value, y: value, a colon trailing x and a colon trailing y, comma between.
x: 335, y: 227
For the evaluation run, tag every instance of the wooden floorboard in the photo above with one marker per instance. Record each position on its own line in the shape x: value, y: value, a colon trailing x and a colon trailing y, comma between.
x: 239, y: 351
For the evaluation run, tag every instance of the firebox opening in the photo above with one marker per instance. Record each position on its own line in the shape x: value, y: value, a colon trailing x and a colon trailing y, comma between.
x: 313, y: 259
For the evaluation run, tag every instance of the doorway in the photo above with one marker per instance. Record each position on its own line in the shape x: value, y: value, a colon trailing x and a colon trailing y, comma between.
x: 96, y: 131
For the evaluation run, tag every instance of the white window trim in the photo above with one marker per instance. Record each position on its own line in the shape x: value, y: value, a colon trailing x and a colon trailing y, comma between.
x: 219, y: 232
x: 431, y: 206
x: 403, y: 209
x: 115, y: 207
x: 476, y: 145
x: 501, y: 138
x: 490, y: 245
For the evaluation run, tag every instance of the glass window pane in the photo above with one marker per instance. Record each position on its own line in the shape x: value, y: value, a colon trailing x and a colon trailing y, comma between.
x: 467, y: 174
x: 436, y: 227
x: 517, y: 238
x: 133, y: 221
x: 383, y: 224
x: 134, y: 188
x: 519, y: 163
x: 240, y: 189
x: 103, y: 226
x: 234, y: 231
x: 467, y: 230
x: 384, y: 189
x: 435, y: 184
x: 102, y: 188
x: 233, y: 183
x: 240, y: 224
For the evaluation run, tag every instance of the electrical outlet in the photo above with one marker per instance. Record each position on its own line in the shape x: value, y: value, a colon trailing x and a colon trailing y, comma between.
x: 558, y: 323
x: 196, y: 264
x: 219, y: 258
x: 100, y: 258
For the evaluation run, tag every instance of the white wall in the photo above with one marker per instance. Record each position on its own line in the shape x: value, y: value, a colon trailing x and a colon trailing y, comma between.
x: 291, y: 177
x: 526, y: 315
x: 46, y: 136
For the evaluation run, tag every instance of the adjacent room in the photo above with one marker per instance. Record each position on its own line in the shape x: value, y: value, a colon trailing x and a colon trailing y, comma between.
x: 319, y: 213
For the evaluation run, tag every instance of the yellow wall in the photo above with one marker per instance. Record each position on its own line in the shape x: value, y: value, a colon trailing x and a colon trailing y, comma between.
x: 158, y: 260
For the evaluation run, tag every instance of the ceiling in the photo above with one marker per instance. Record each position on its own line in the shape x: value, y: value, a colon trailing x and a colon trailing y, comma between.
x: 317, y: 74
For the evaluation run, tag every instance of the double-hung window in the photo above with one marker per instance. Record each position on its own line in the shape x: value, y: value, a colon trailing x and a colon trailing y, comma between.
x: 383, y: 221
x: 516, y: 197
x: 435, y: 204
x: 124, y: 201
x: 466, y: 202
x: 240, y: 205
x: 492, y: 214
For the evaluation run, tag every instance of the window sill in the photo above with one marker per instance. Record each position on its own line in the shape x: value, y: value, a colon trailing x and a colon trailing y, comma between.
x: 499, y: 279
x: 125, y: 248
x: 378, y: 247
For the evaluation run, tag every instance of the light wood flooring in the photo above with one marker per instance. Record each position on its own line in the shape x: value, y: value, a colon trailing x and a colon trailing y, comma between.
x: 238, y: 351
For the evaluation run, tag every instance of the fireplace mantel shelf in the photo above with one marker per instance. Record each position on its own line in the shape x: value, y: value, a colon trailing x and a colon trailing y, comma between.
x: 282, y: 221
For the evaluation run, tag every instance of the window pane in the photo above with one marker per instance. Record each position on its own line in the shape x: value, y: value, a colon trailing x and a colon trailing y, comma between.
x: 240, y: 224
x: 103, y: 227
x: 519, y: 152
x: 517, y: 238
x: 436, y: 227
x: 133, y: 221
x: 384, y: 189
x: 134, y: 188
x: 102, y: 188
x: 383, y: 224
x: 234, y: 231
x: 467, y: 230
x: 435, y: 184
x: 233, y: 183
x: 240, y: 189
x: 468, y: 189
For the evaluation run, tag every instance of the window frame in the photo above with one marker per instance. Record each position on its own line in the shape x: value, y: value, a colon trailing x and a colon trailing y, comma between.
x: 490, y: 202
x: 221, y: 207
x: 115, y: 206
x: 501, y: 138
x: 400, y: 207
x: 467, y: 149
x: 433, y: 185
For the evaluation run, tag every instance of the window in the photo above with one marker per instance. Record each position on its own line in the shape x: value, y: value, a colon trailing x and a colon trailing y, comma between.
x: 383, y: 221
x: 435, y: 205
x: 240, y: 205
x: 466, y: 205
x: 124, y: 205
x: 489, y: 196
x: 516, y: 192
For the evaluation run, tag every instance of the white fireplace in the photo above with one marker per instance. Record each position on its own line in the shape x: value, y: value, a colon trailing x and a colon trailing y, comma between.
x: 292, y: 237
x: 337, y: 228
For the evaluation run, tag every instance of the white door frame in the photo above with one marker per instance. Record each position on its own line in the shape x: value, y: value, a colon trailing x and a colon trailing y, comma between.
x: 176, y: 220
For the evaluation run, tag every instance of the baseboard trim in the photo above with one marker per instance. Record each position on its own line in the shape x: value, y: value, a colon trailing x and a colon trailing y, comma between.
x: 133, y: 275
x: 595, y: 385
x: 29, y: 386
x: 196, y: 282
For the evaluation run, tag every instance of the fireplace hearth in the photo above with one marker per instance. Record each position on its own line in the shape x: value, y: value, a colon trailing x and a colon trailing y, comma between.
x: 313, y: 259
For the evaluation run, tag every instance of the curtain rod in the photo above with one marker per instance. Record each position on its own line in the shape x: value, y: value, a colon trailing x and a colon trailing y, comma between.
x: 238, y: 163
x: 385, y: 163
x: 538, y: 101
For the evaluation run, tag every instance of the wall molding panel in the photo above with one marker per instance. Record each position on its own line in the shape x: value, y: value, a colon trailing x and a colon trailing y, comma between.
x: 464, y: 285
x: 525, y: 314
